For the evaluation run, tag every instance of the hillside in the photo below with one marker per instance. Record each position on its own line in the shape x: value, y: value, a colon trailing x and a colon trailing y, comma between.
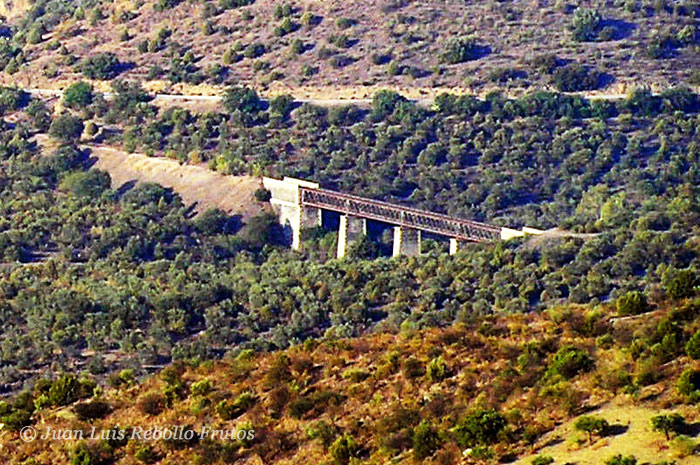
x: 328, y: 47
x: 496, y: 389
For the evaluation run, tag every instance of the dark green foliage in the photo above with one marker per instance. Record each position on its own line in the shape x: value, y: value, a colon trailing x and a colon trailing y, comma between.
x: 437, y: 369
x: 384, y: 103
x: 542, y: 460
x: 426, y: 440
x: 263, y: 229
x: 586, y: 24
x: 591, y: 425
x: 67, y: 389
x: 689, y: 384
x: 232, y: 409
x: 683, y: 284
x: 242, y: 102
x: 570, y: 361
x: 101, y: 66
x: 619, y: 459
x: 89, y: 184
x: 213, y: 221
x: 631, y: 303
x: 668, y: 423
x: 11, y: 99
x: 40, y: 115
x: 262, y: 195
x: 692, y: 347
x: 461, y: 49
x: 78, y: 95
x: 229, y: 4
x: 343, y: 449
x: 66, y: 128
x: 576, y: 77
x: 162, y: 5
x: 281, y: 106
x: 481, y: 427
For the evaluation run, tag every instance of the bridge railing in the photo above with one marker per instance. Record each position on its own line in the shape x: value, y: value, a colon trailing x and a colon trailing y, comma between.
x: 399, y: 216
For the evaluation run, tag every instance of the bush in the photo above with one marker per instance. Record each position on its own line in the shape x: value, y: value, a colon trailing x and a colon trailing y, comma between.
x: 201, y: 388
x: 591, y: 425
x: 384, y: 103
x: 576, y: 77
x: 460, y: 50
x: 682, y: 285
x: 632, y: 303
x: 89, y: 184
x: 11, y: 99
x: 68, y: 389
x: 343, y: 449
x: 621, y: 460
x: 78, y: 95
x: 243, y: 99
x: 437, y: 369
x: 586, y: 23
x: 692, y: 347
x: 689, y: 384
x: 66, y: 128
x: 152, y: 403
x: 668, y: 423
x: 92, y: 410
x: 570, y: 361
x: 229, y: 410
x: 262, y: 195
x: 101, y: 66
x: 481, y: 427
x: 426, y: 440
x: 542, y: 460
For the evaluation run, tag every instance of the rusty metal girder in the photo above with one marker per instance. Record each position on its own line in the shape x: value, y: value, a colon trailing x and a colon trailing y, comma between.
x: 399, y: 216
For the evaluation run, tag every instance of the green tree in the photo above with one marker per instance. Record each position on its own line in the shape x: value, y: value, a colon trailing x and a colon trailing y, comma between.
x: 90, y: 183
x: 570, y: 361
x: 667, y: 423
x: 102, y: 66
x: 632, y: 303
x: 461, y: 49
x: 619, y: 459
x: 586, y: 23
x: 66, y: 128
x: 426, y: 440
x: 692, y: 347
x: 682, y: 284
x: 343, y: 449
x: 78, y: 95
x: 481, y: 427
x: 591, y: 425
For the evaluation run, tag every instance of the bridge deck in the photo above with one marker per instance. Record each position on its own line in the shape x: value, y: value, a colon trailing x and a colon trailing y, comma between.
x: 399, y: 216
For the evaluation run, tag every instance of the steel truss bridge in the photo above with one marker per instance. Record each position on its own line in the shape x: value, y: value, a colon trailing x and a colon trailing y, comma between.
x: 352, y: 205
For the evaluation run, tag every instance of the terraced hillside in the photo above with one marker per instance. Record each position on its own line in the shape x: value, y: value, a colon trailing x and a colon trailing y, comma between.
x: 330, y: 46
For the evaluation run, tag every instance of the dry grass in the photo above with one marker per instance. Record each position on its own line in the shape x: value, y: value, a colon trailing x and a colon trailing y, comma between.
x: 196, y: 184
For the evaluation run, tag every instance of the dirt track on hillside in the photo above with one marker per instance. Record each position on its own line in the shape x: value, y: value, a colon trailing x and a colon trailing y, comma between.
x: 197, y: 185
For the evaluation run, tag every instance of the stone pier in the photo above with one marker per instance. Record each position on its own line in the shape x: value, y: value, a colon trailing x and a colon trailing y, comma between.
x: 406, y: 241
x: 351, y: 229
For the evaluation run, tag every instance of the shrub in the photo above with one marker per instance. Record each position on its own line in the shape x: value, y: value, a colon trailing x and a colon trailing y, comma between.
x: 201, y: 388
x: 92, y: 410
x: 461, y: 49
x: 243, y: 99
x: 384, y: 103
x: 689, y: 384
x: 262, y: 195
x: 152, y: 403
x: 11, y: 99
x: 542, y: 460
x: 68, y: 389
x: 570, y: 361
x: 586, y: 22
x: 146, y: 454
x: 682, y: 285
x: 437, y: 369
x: 576, y: 77
x: 481, y: 427
x: 78, y: 95
x: 426, y: 440
x: 412, y: 368
x: 90, y: 184
x: 621, y: 460
x: 101, y: 66
x: 66, y: 128
x: 343, y: 449
x: 667, y: 424
x: 632, y: 303
x: 591, y: 425
x: 692, y: 347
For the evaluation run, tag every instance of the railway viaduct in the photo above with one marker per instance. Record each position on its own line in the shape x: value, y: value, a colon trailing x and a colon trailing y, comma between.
x: 300, y: 204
